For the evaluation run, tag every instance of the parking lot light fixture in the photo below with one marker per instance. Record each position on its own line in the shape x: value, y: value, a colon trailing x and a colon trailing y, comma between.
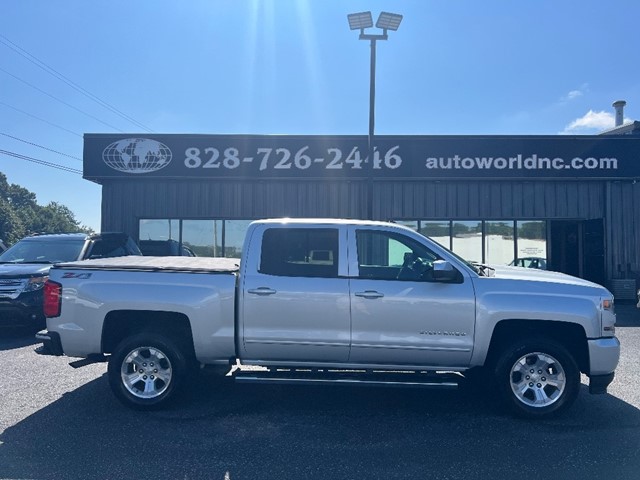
x: 388, y: 21
x: 361, y: 21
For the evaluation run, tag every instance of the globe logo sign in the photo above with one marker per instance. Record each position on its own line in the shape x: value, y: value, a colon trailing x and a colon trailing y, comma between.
x: 137, y: 155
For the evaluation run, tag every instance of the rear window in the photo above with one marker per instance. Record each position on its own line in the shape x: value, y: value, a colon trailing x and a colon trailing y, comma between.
x: 113, y: 246
x: 300, y: 252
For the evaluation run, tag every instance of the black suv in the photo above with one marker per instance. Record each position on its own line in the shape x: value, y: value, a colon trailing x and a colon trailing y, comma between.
x: 25, y: 267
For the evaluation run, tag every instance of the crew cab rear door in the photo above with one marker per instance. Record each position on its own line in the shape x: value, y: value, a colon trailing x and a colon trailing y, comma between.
x: 294, y: 299
x: 401, y: 315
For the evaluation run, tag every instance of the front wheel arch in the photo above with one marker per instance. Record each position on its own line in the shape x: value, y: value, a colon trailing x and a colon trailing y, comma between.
x: 571, y: 336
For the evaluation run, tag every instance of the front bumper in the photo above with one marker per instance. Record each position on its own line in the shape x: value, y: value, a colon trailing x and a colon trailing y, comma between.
x: 51, y: 344
x: 24, y: 311
x: 598, y: 383
x: 604, y: 354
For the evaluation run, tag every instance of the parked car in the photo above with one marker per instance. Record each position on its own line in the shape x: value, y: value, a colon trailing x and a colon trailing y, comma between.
x: 24, y: 268
x: 530, y: 262
x: 165, y: 248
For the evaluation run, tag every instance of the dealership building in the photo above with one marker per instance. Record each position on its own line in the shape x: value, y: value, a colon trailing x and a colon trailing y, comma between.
x: 567, y: 203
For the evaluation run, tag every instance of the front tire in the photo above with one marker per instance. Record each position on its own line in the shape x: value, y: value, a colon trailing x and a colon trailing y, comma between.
x: 537, y: 378
x: 145, y: 371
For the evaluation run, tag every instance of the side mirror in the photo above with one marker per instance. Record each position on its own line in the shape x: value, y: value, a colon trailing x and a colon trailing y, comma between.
x: 443, y: 271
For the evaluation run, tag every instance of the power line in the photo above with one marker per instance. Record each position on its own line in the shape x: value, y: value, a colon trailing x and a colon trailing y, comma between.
x: 40, y: 146
x: 41, y: 119
x: 59, y: 100
x: 41, y: 162
x: 50, y: 70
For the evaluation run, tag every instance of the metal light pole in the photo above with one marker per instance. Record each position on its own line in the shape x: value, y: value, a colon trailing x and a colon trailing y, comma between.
x: 360, y: 21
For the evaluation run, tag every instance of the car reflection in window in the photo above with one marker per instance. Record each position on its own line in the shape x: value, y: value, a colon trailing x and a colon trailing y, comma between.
x: 530, y: 262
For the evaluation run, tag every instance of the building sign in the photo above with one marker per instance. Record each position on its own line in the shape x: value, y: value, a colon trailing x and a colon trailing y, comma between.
x: 407, y: 157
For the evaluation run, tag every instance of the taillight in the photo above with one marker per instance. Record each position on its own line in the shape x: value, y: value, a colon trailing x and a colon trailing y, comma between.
x: 52, y: 299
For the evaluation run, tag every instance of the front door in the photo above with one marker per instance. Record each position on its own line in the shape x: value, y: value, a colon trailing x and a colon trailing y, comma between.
x: 400, y: 314
x: 295, y: 302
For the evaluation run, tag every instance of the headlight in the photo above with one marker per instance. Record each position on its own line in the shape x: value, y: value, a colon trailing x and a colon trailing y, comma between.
x: 608, y: 318
x: 35, y: 283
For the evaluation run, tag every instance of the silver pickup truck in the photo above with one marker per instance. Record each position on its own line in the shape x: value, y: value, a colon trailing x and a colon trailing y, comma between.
x: 334, y: 301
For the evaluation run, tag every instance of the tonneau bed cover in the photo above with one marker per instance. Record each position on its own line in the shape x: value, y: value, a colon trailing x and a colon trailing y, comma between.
x: 138, y: 263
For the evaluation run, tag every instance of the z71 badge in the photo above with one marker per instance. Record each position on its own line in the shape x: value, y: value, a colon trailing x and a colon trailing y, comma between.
x: 81, y: 276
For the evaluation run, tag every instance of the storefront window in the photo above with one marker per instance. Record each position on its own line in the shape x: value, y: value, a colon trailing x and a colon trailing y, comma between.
x: 499, y: 243
x: 412, y: 224
x: 437, y: 231
x: 203, y: 237
x: 216, y: 238
x: 467, y: 240
x: 159, y: 229
x: 532, y: 244
x: 234, y: 232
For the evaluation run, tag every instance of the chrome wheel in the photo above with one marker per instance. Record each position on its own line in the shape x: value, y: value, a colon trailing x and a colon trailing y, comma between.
x: 146, y: 372
x: 537, y: 379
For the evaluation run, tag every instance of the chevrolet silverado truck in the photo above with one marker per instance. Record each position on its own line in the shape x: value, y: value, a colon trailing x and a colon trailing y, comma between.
x: 24, y: 268
x: 336, y: 302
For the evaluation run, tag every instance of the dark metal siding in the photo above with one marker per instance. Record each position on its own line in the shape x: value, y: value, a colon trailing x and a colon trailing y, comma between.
x: 624, y: 230
x: 125, y: 202
x: 489, y: 200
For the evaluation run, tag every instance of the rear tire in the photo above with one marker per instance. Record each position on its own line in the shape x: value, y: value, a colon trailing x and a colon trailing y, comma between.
x: 537, y: 378
x: 145, y: 371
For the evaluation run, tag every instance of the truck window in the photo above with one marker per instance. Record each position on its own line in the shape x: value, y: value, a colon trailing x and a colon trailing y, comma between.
x: 391, y: 256
x: 300, y: 252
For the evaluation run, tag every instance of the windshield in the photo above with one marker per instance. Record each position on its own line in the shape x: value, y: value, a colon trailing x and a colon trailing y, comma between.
x: 35, y: 251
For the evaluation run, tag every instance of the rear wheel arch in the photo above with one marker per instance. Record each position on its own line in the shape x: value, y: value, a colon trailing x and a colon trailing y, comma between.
x: 122, y: 324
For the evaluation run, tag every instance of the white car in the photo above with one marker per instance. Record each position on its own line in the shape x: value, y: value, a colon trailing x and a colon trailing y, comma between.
x: 530, y: 262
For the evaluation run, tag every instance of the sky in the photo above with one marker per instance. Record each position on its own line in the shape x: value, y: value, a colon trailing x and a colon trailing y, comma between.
x: 454, y: 67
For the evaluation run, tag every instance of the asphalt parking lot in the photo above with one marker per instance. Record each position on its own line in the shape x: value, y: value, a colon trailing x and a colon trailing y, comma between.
x: 61, y: 423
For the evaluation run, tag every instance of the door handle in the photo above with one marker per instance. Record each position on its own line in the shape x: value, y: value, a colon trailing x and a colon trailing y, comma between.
x: 369, y: 294
x: 261, y: 291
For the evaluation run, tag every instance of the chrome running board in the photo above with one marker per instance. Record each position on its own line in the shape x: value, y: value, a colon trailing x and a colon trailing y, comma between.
x: 338, y: 377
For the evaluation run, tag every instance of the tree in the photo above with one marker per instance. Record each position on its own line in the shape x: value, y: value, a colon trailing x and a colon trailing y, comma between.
x: 20, y: 214
x: 11, y: 228
x: 56, y: 218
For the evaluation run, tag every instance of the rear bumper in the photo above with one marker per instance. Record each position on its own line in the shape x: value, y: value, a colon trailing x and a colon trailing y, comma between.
x: 51, y: 344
